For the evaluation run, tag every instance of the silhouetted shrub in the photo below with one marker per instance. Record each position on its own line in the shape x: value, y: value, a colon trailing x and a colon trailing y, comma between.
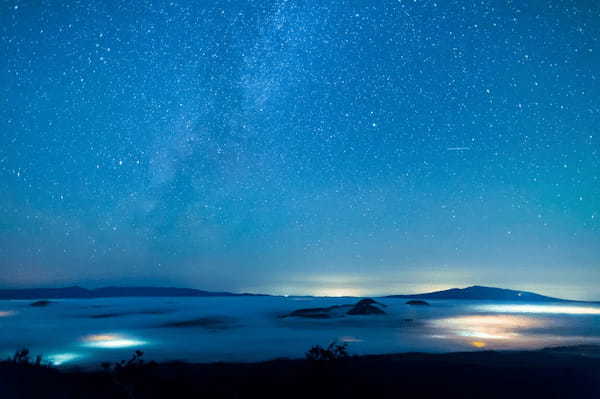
x: 22, y: 357
x: 126, y: 366
x: 333, y: 352
x: 135, y: 362
x: 129, y: 375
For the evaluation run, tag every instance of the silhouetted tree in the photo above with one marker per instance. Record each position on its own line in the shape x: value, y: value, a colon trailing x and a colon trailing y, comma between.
x: 128, y: 375
x: 334, y: 351
x: 22, y: 357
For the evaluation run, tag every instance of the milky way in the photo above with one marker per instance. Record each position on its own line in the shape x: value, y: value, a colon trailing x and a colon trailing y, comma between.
x: 323, y: 147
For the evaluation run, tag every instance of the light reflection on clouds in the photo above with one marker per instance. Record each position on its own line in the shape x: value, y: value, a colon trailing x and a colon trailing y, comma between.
x: 111, y: 341
x: 540, y: 309
x: 6, y: 313
x: 60, y: 359
x: 491, y: 327
x: 350, y: 339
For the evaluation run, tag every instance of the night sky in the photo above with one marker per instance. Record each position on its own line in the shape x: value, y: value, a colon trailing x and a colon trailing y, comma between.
x: 327, y: 147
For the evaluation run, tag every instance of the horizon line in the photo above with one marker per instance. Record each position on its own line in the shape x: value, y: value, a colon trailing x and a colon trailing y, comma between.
x: 288, y: 295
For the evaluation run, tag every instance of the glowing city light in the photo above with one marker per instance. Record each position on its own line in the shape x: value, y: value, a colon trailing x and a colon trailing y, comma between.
x: 111, y: 341
x: 59, y: 359
x: 6, y: 313
x: 541, y: 309
x: 483, y: 335
x: 101, y: 337
x: 350, y: 339
x: 490, y: 327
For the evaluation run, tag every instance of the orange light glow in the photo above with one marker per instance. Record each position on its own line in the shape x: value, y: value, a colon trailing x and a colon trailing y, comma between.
x: 101, y: 337
x: 350, y: 339
x: 6, y: 313
x: 495, y: 327
x: 109, y: 341
x: 479, y: 344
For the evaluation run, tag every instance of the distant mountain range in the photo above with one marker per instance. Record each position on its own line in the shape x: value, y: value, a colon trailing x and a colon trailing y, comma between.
x: 109, y: 292
x: 478, y: 292
x: 474, y: 293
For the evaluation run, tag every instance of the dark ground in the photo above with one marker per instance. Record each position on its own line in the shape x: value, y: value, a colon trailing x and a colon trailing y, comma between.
x: 562, y: 373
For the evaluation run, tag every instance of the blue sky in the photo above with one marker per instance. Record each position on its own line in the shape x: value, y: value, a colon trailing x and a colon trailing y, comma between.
x: 343, y: 147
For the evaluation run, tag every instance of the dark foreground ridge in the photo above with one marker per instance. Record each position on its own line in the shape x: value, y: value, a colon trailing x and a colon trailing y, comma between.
x: 562, y: 373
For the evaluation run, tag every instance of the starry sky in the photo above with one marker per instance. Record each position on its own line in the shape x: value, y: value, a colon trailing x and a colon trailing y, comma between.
x: 329, y: 147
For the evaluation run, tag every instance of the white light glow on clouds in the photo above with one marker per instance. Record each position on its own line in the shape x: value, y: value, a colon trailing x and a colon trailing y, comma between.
x: 541, y: 309
x: 6, y: 313
x: 111, y: 341
x: 59, y: 359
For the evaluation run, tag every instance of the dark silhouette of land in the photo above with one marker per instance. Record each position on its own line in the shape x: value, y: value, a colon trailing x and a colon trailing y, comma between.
x: 110, y: 292
x: 477, y: 292
x: 557, y: 373
x: 417, y: 302
x: 125, y: 314
x: 211, y: 323
x: 474, y: 293
x: 363, y: 307
x: 40, y: 304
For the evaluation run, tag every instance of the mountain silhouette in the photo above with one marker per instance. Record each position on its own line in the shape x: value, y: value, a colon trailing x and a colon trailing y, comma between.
x: 475, y: 292
x: 110, y: 292
x: 478, y: 292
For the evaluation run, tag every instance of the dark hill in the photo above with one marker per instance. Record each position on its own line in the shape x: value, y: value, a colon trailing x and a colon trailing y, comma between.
x: 155, y: 291
x: 483, y: 293
x: 46, y: 293
x: 109, y: 292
